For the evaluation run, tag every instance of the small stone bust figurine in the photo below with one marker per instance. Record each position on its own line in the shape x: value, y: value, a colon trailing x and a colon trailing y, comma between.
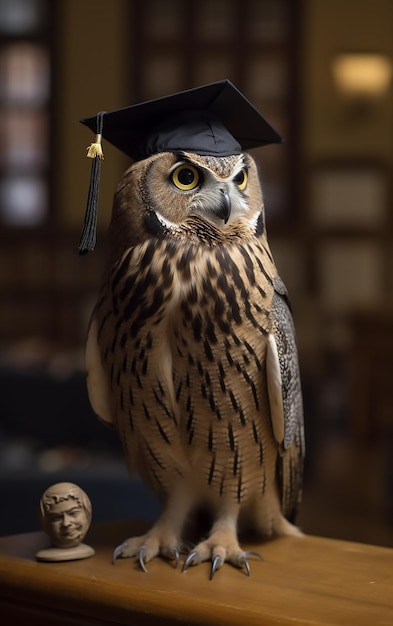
x: 65, y: 511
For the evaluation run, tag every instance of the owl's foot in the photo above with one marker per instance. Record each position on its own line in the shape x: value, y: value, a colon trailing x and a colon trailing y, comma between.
x: 163, y: 539
x: 221, y: 547
x: 148, y: 546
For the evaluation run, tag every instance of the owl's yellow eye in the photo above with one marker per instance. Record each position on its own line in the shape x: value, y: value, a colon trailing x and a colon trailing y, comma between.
x: 241, y: 179
x: 185, y: 177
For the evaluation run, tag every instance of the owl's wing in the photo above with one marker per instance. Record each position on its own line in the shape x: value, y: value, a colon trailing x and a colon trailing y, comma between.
x: 285, y: 399
x: 97, y: 380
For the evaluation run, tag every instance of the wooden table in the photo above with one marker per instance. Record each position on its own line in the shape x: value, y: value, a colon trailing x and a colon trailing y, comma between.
x: 311, y: 581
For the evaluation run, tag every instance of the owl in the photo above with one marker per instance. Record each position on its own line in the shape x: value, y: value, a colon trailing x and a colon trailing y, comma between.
x: 191, y: 351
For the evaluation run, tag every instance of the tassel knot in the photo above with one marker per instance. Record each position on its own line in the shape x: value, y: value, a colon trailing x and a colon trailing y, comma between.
x: 95, y: 149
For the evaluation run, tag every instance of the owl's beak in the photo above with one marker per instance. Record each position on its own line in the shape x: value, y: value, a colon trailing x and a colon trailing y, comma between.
x: 225, y: 206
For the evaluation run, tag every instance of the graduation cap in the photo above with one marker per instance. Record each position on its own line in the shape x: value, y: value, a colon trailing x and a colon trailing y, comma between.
x: 215, y: 120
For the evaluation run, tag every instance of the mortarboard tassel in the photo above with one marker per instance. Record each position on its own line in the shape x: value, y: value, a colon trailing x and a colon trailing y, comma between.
x: 94, y: 151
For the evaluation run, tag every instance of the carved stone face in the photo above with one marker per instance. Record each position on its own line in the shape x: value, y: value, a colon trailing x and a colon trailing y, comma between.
x: 67, y: 524
x: 65, y: 514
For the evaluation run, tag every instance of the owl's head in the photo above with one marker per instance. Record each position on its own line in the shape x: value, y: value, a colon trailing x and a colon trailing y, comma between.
x: 191, y: 166
x: 167, y: 193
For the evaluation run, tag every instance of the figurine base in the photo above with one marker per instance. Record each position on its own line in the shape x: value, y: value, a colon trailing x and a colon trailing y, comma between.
x: 65, y: 554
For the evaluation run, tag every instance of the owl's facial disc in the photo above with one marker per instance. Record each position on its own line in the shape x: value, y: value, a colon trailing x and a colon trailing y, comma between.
x: 220, y: 201
x: 217, y: 195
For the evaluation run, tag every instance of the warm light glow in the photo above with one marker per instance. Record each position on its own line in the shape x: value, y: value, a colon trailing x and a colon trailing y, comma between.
x: 362, y: 74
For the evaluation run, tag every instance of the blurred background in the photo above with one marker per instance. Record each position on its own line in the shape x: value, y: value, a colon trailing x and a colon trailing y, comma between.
x: 321, y: 73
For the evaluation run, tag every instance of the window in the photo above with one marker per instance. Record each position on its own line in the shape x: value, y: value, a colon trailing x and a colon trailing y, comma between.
x: 24, y: 112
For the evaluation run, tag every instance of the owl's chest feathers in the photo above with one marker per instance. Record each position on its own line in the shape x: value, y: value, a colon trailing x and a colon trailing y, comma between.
x: 163, y: 285
x: 186, y: 311
x: 188, y: 359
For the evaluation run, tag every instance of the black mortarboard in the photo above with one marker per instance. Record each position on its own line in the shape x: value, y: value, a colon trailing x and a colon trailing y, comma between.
x: 214, y: 119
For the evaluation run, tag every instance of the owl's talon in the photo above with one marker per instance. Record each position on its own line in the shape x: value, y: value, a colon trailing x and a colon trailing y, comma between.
x: 216, y: 564
x: 243, y: 560
x: 192, y: 559
x: 117, y: 552
x: 174, y: 554
x: 252, y: 553
x: 244, y: 564
x: 141, y: 558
